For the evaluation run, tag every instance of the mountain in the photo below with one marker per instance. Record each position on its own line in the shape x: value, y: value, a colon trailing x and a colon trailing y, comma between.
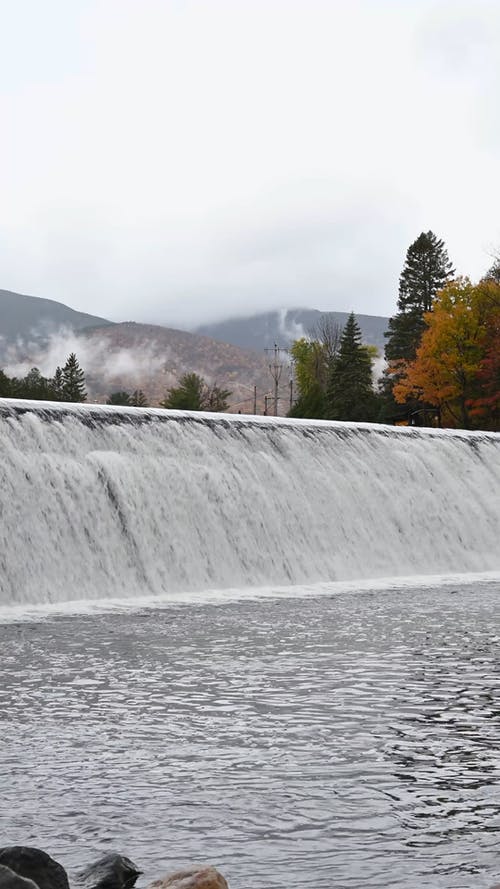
x: 41, y: 333
x: 129, y: 356
x: 33, y: 318
x: 153, y: 358
x: 262, y: 331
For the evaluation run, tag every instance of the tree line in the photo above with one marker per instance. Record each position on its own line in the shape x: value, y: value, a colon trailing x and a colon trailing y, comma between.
x: 333, y: 371
x: 442, y: 353
x: 67, y: 384
x: 442, y: 359
x: 192, y: 394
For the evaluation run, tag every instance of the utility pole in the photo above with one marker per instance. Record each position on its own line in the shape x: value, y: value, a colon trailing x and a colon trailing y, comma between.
x: 276, y: 366
x: 255, y: 399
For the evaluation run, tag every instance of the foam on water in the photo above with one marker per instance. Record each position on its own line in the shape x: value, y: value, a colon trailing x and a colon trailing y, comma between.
x: 118, y: 503
x: 231, y: 595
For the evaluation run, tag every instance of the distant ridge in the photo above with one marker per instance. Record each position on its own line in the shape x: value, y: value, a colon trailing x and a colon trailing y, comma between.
x: 261, y: 331
x: 131, y: 355
x: 23, y: 317
x: 153, y: 358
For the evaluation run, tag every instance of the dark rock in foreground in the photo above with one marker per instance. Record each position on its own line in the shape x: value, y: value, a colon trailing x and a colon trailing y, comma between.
x: 112, y: 871
x: 10, y: 880
x: 35, y: 865
x: 23, y: 867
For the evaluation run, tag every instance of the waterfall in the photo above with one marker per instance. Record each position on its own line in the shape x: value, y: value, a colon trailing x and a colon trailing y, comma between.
x: 122, y: 502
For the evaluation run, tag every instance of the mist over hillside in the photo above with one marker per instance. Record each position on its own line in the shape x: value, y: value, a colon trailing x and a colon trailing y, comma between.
x: 286, y: 325
x: 153, y: 358
x: 41, y: 333
x: 130, y: 356
x: 33, y: 319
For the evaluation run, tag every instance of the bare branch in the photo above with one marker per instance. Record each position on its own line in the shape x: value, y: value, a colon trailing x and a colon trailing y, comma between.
x: 328, y: 332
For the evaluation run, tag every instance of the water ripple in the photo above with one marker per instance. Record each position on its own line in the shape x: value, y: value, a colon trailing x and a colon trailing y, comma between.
x: 319, y: 742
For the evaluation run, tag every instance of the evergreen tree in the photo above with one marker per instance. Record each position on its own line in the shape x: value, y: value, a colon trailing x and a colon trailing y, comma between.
x: 138, y: 399
x: 193, y: 394
x: 34, y: 386
x: 6, y: 388
x: 350, y: 394
x: 427, y: 269
x: 120, y: 397
x: 73, y: 380
x: 309, y: 406
x: 187, y: 396
x: 57, y: 385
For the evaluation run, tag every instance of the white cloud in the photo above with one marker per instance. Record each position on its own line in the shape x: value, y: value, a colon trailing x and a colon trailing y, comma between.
x: 177, y: 161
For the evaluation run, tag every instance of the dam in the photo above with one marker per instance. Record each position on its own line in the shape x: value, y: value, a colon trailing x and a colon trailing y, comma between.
x: 101, y: 502
x: 335, y: 735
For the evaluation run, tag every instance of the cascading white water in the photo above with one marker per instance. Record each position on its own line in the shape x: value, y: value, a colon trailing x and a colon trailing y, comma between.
x: 104, y: 502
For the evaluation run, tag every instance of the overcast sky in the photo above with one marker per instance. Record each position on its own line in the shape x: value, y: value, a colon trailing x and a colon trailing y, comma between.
x: 183, y: 160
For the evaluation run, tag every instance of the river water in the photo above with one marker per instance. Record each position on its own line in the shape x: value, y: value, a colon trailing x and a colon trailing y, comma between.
x: 345, y: 740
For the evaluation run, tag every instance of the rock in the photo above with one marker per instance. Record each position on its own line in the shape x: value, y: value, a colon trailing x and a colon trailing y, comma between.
x: 112, y: 871
x: 33, y: 864
x: 10, y: 880
x: 192, y: 878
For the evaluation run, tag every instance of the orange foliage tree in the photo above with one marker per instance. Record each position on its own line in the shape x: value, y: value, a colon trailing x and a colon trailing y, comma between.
x: 456, y: 366
x: 485, y: 406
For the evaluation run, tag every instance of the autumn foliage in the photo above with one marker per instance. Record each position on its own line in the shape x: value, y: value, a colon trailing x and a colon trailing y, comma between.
x: 457, y: 365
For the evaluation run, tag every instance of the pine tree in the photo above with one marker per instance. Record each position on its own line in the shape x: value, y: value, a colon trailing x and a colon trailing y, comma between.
x: 6, y: 387
x: 73, y: 377
x: 57, y: 385
x: 187, y: 396
x: 121, y: 398
x: 427, y: 269
x: 138, y: 399
x: 35, y: 386
x: 350, y: 395
x: 193, y: 394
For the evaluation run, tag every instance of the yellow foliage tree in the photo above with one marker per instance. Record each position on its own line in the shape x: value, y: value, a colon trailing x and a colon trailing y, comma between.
x: 445, y: 372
